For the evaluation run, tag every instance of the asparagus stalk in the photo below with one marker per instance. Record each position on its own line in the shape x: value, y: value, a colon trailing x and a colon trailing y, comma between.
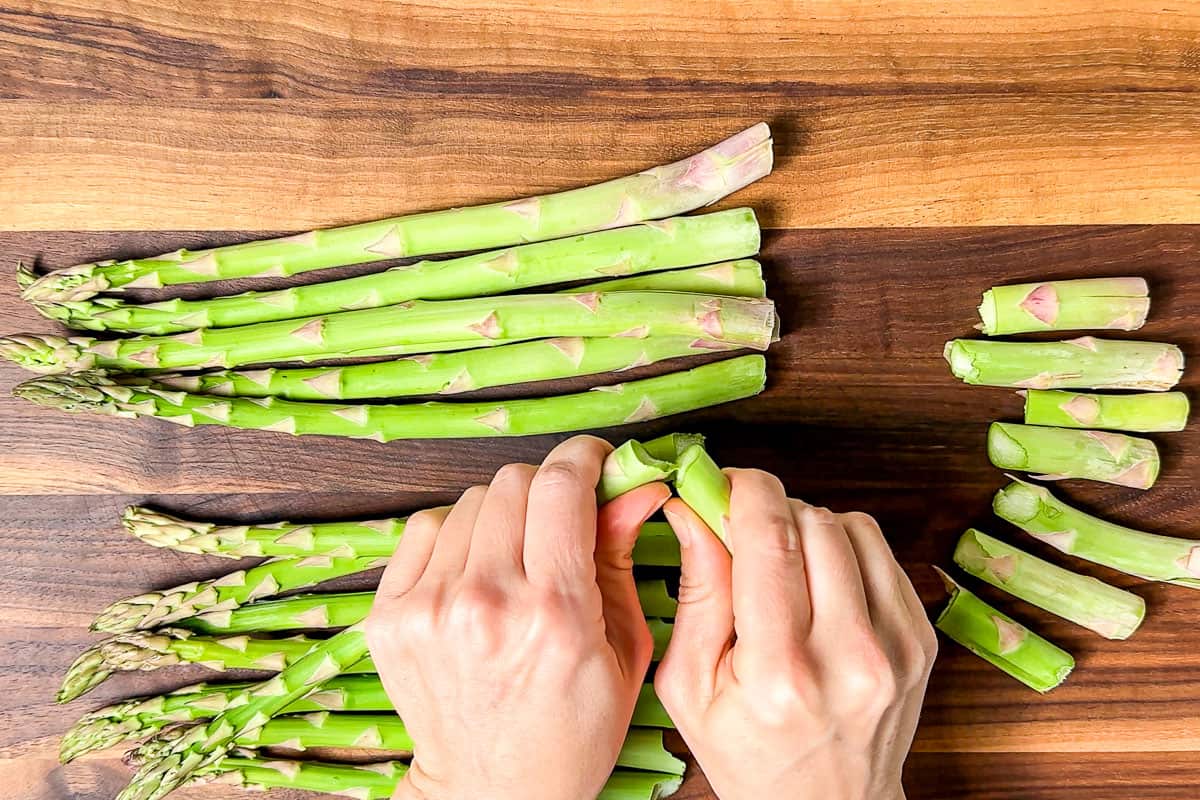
x: 1066, y: 453
x: 660, y: 192
x: 677, y: 242
x: 1001, y: 641
x: 221, y: 595
x: 1119, y: 304
x: 619, y: 404
x: 1111, y: 612
x: 170, y: 760
x: 1036, y: 511
x: 142, y: 717
x: 701, y: 484
x: 1147, y: 413
x: 379, y: 781
x: 342, y: 609
x: 735, y: 321
x: 1084, y: 363
x: 656, y: 546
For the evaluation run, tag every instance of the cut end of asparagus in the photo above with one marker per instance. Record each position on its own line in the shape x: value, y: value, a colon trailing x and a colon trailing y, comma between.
x: 80, y: 282
x: 1086, y: 304
x: 1019, y: 502
x: 46, y: 353
x: 1070, y: 453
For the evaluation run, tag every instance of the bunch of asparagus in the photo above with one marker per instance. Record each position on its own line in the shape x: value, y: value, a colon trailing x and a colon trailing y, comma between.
x: 448, y: 326
x: 325, y: 692
x: 1067, y: 434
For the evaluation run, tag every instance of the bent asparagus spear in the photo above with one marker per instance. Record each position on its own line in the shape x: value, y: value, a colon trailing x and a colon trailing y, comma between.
x: 1036, y: 511
x: 1146, y: 413
x: 664, y: 191
x: 1066, y: 453
x: 1001, y: 641
x: 604, y: 406
x: 1119, y: 304
x: 676, y: 242
x: 1111, y: 612
x: 1084, y: 363
x: 703, y: 486
x: 733, y: 321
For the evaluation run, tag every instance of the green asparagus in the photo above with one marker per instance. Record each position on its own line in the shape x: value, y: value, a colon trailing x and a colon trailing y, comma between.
x: 1111, y: 612
x: 677, y: 242
x: 1001, y: 641
x: 1067, y: 453
x: 732, y: 321
x: 1084, y: 363
x: 618, y: 404
x: 660, y: 192
x: 223, y: 594
x: 1147, y: 413
x: 701, y: 484
x: 1158, y: 558
x: 1119, y: 304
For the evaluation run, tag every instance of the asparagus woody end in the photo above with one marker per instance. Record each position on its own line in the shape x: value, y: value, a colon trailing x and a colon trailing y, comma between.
x: 1067, y: 453
x: 1088, y: 304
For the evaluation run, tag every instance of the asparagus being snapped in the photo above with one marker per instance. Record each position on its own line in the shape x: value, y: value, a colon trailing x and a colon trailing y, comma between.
x: 677, y: 242
x: 1001, y: 641
x: 1036, y: 511
x: 660, y: 192
x: 142, y: 717
x: 1119, y: 304
x: 173, y: 757
x: 605, y: 406
x: 378, y: 781
x: 1067, y: 453
x: 1084, y: 363
x: 222, y: 595
x: 1111, y: 612
x: 730, y: 321
x: 1145, y: 413
x: 701, y: 484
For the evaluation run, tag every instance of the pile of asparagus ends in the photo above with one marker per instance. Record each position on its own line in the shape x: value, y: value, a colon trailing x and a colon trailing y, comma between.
x: 324, y: 692
x: 1067, y: 434
x: 655, y: 286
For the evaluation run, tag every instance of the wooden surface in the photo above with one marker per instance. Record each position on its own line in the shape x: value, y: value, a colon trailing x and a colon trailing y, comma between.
x: 924, y: 153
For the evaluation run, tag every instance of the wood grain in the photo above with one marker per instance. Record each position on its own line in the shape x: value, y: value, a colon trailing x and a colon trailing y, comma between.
x: 841, y: 161
x: 152, y: 48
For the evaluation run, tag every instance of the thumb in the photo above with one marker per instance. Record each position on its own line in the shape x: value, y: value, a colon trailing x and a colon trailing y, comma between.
x: 618, y: 524
x: 704, y: 622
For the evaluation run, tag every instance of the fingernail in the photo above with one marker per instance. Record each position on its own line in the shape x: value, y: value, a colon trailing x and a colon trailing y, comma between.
x: 683, y: 531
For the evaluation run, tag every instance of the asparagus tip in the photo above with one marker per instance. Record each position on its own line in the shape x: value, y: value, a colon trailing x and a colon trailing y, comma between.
x: 132, y: 651
x: 46, y: 353
x: 80, y: 282
x: 80, y: 392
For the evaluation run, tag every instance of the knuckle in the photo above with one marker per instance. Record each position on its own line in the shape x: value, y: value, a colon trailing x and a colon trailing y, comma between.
x: 425, y: 518
x: 870, y: 679
x: 782, y: 695
x: 778, y: 531
x: 860, y: 519
x: 671, y: 688
x: 514, y: 473
x: 558, y: 474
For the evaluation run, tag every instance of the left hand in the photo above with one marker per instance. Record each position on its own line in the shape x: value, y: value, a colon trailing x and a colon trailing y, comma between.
x: 508, y: 633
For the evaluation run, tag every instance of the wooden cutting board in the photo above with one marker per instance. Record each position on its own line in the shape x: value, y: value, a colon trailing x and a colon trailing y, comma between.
x: 923, y: 153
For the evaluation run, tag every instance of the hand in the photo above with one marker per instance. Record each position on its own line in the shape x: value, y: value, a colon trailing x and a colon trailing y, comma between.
x: 798, y: 666
x: 508, y: 633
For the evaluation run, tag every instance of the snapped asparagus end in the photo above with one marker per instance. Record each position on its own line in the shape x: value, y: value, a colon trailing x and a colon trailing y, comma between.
x: 987, y: 313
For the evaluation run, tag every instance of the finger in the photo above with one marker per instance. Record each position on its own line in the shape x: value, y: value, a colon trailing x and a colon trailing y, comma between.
x: 412, y: 554
x: 617, y: 530
x: 560, y: 522
x: 771, y: 607
x: 687, y: 676
x: 498, y: 539
x: 835, y: 584
x: 454, y: 539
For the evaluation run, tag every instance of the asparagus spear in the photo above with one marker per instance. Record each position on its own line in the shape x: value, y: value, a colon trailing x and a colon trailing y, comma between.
x: 1001, y: 641
x: 1111, y: 612
x: 656, y: 546
x: 660, y: 192
x: 735, y: 321
x: 701, y: 484
x: 677, y: 242
x: 172, y: 758
x: 342, y: 609
x: 1147, y: 412
x: 378, y: 781
x: 228, y: 592
x: 1066, y: 453
x: 142, y: 717
x: 619, y: 404
x: 1119, y: 304
x: 1084, y: 363
x: 1158, y: 558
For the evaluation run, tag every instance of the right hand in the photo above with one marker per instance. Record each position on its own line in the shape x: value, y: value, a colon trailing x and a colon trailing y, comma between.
x: 798, y: 666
